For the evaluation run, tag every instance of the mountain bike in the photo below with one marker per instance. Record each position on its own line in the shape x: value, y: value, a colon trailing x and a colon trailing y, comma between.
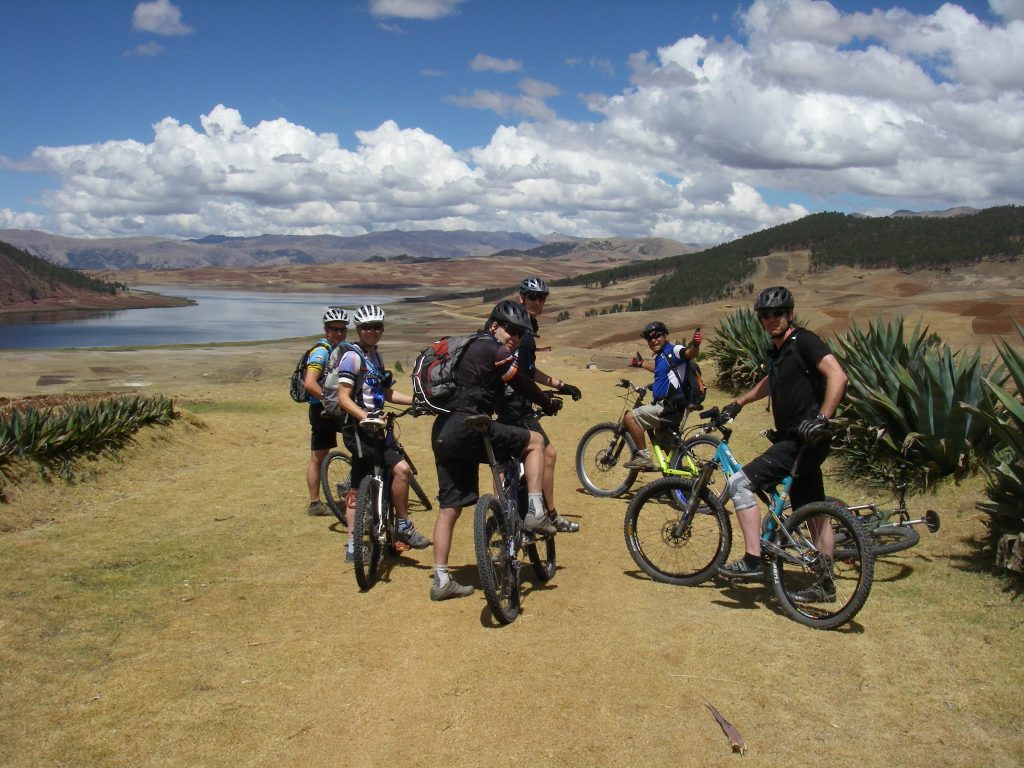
x: 891, y: 529
x: 336, y: 475
x: 606, y: 447
x: 687, y: 547
x: 500, y: 534
x: 375, y: 524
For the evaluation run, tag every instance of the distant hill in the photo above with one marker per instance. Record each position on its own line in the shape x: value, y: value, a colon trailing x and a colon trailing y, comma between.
x: 833, y: 239
x: 963, y: 210
x: 27, y: 278
x: 607, y: 249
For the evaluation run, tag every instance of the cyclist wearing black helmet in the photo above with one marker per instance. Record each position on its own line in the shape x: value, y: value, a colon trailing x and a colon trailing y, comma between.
x: 487, y: 366
x: 665, y: 365
x: 517, y: 410
x: 804, y: 384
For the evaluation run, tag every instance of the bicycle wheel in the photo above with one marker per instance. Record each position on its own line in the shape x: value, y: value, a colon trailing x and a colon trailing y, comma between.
x: 688, y: 559
x: 369, y: 533
x: 335, y: 480
x: 599, y: 458
x: 496, y: 559
x: 542, y: 557
x: 812, y: 588
x: 885, y: 539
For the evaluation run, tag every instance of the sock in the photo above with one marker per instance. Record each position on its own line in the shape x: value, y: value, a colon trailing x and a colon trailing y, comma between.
x: 351, y: 546
x: 752, y: 560
x: 536, y: 503
x: 441, y: 574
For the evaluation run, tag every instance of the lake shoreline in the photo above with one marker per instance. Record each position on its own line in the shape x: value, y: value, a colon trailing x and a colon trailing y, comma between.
x: 90, y: 302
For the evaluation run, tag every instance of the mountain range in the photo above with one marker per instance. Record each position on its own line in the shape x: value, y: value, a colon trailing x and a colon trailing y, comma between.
x: 272, y: 250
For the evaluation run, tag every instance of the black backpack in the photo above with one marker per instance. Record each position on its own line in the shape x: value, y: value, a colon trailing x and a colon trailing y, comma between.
x: 297, y: 388
x: 693, y: 391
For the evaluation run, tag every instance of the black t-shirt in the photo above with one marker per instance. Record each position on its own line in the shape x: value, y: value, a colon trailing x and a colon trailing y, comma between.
x: 486, y: 367
x: 796, y: 385
x: 513, y: 408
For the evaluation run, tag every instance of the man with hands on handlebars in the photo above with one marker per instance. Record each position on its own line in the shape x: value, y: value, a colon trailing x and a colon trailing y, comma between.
x: 665, y: 365
x: 805, y: 384
x: 487, y: 366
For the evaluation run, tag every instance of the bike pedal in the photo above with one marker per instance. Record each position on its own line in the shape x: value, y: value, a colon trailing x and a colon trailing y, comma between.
x: 400, y: 546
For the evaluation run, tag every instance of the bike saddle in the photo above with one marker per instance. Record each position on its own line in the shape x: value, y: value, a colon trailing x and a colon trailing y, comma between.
x: 480, y: 422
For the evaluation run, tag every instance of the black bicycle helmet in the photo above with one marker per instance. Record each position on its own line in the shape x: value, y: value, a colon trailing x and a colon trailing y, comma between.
x: 776, y: 297
x: 656, y: 327
x: 534, y: 285
x: 512, y: 313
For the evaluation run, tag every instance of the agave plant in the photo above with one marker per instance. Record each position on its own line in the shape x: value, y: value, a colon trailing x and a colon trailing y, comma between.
x: 1003, y: 412
x: 740, y: 351
x: 904, y: 407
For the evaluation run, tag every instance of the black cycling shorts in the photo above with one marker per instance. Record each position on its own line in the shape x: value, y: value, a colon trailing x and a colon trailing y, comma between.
x: 772, y: 466
x: 363, y: 454
x: 324, y: 429
x: 459, y: 451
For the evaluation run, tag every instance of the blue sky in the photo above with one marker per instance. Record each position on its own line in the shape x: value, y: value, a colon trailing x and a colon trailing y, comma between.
x: 699, y: 121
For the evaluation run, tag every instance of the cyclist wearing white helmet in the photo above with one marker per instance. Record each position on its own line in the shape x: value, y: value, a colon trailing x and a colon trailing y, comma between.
x: 324, y: 436
x: 516, y: 409
x: 805, y: 384
x: 364, y: 385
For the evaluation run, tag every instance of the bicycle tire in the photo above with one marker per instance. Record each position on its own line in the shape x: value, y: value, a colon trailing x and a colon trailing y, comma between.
x: 418, y: 490
x: 543, y: 567
x: 887, y: 539
x: 495, y: 559
x: 335, y: 480
x: 599, y: 460
x: 685, y: 560
x: 801, y: 566
x: 368, y: 534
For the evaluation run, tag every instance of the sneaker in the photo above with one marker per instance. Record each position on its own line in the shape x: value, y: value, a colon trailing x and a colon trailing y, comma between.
x: 412, y: 537
x: 741, y: 570
x: 822, y: 592
x: 318, y: 509
x: 562, y: 525
x: 641, y: 461
x: 539, y: 524
x: 449, y: 590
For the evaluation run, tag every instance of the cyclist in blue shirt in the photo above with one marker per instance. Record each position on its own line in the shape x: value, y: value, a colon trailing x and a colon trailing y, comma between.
x: 665, y: 365
x: 324, y: 435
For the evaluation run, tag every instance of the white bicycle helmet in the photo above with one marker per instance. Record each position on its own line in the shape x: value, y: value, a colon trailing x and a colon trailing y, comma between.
x: 335, y: 315
x: 368, y: 313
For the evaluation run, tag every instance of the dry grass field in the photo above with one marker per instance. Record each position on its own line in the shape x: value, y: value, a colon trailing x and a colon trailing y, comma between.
x: 176, y: 607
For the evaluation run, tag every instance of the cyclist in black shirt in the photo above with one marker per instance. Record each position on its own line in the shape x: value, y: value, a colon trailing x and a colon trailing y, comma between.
x: 487, y: 366
x: 517, y: 410
x: 805, y: 383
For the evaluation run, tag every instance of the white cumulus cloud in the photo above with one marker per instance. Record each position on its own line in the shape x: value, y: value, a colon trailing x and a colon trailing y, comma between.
x: 161, y: 17
x: 414, y: 9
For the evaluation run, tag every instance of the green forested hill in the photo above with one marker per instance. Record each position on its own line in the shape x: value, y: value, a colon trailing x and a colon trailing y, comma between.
x: 834, y: 239
x: 24, y: 277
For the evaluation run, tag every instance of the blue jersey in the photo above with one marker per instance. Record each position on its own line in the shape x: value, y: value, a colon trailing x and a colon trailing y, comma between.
x: 317, y: 360
x: 667, y: 365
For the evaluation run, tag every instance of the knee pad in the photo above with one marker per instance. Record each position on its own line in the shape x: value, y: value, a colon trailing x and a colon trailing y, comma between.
x: 739, y: 491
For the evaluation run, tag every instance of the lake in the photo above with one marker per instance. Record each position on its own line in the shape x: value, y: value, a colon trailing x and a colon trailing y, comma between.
x: 218, y: 315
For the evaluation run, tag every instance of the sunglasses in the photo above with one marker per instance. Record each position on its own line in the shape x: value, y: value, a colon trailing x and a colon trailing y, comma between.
x: 534, y: 296
x: 655, y: 335
x: 372, y: 327
x: 766, y: 314
x: 336, y: 328
x: 512, y: 330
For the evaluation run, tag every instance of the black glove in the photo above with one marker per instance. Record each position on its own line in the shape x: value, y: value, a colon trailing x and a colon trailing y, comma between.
x: 387, y: 380
x: 731, y: 411
x: 814, y: 430
x: 552, y: 406
x: 570, y: 390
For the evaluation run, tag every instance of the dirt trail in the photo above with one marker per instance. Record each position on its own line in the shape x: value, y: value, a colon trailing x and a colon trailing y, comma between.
x: 181, y: 610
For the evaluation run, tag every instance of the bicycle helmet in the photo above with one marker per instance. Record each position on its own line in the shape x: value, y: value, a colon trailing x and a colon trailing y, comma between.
x: 776, y: 297
x: 534, y: 285
x: 656, y: 327
x: 335, y: 315
x: 368, y: 313
x: 511, y: 313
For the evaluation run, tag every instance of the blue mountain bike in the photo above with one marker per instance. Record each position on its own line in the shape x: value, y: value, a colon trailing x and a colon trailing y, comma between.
x: 685, y: 544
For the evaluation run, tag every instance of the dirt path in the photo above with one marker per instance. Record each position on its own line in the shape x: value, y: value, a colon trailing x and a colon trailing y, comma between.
x: 179, y: 609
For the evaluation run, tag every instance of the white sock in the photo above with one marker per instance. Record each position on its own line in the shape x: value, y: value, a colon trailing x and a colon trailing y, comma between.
x: 441, y: 574
x: 351, y: 547
x: 536, y: 503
